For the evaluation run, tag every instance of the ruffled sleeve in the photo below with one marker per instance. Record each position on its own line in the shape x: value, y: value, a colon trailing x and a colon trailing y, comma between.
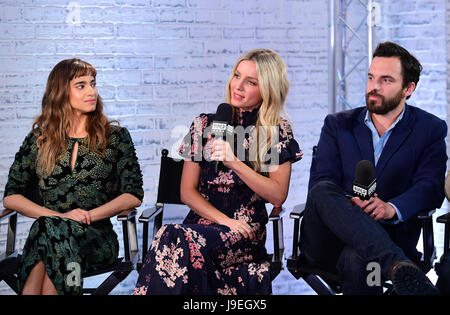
x: 287, y: 147
x: 191, y: 147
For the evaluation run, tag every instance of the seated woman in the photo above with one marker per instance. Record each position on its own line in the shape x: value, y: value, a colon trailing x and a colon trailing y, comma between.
x: 87, y: 172
x: 220, y: 247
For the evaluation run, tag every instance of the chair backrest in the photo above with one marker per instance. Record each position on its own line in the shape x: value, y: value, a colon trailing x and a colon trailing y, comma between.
x: 169, y: 179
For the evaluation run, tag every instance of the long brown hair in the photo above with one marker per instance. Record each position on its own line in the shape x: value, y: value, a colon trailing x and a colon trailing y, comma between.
x: 52, y: 126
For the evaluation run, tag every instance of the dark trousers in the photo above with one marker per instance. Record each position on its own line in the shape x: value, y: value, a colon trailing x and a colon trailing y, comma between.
x: 339, y: 237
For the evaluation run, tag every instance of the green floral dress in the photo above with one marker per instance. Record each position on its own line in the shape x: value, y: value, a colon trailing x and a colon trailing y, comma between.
x: 65, y: 246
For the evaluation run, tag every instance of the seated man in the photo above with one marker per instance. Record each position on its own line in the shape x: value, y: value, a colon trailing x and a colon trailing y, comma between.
x: 407, y: 146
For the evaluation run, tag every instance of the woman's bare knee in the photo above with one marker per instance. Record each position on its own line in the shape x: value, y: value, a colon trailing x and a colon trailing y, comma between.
x: 33, y: 284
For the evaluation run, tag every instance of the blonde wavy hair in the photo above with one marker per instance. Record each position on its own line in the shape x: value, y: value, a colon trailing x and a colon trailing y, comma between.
x: 274, y: 86
x: 52, y: 126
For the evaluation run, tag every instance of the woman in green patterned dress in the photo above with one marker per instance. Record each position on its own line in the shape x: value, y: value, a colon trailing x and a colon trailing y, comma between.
x: 87, y: 171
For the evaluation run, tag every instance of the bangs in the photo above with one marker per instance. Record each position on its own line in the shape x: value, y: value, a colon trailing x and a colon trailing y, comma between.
x: 81, y: 68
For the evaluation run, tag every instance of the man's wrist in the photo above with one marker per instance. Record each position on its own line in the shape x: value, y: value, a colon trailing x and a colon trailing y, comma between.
x: 395, y: 216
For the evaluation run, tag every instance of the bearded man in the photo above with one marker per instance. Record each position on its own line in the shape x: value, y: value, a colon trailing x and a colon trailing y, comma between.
x: 344, y: 234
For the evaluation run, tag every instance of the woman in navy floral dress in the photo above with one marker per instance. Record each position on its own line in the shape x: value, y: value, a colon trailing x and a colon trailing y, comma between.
x: 220, y: 247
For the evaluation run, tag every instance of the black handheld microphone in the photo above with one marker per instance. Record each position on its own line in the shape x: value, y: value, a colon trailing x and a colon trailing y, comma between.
x: 221, y: 126
x: 364, y: 184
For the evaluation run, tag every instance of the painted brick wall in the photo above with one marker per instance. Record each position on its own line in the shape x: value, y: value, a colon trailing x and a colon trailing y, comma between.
x: 419, y: 26
x: 162, y: 62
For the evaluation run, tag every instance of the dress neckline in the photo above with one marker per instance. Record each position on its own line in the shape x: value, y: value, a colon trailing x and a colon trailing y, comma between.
x: 247, y: 118
x: 79, y: 140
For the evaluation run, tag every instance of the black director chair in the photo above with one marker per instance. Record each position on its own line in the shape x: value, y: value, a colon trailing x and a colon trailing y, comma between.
x: 328, y: 283
x: 169, y: 193
x: 9, y: 260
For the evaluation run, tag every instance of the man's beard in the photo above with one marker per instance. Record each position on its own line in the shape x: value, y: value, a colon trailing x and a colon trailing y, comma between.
x: 386, y: 106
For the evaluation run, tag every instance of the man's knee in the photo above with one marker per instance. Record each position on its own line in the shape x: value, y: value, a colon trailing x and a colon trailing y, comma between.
x: 322, y: 192
x: 322, y: 188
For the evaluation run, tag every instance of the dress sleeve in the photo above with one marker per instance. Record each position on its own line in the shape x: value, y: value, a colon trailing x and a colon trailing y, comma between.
x: 23, y: 168
x: 129, y: 171
x: 191, y: 147
x: 287, y: 147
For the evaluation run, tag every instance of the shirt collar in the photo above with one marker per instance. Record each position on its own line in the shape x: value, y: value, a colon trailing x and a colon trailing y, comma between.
x: 369, y: 123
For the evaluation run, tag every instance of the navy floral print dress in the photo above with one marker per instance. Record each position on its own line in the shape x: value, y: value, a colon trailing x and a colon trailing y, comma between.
x: 202, y: 257
x: 64, y: 245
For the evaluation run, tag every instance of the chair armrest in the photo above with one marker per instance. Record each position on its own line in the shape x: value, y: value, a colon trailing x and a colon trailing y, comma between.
x: 155, y: 212
x: 429, y: 250
x: 445, y: 218
x: 11, y: 215
x: 126, y: 214
x: 6, y: 213
x: 129, y: 230
x: 298, y: 211
x: 426, y: 214
x: 149, y: 213
x: 276, y: 213
x: 276, y: 217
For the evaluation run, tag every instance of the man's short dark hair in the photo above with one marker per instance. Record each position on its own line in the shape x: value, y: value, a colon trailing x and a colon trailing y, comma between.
x: 411, y: 67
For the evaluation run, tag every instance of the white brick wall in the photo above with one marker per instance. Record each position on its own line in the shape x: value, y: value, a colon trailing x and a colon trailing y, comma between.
x: 419, y: 27
x: 162, y: 62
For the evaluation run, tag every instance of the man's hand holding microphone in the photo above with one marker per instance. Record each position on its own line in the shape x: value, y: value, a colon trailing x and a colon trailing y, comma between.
x: 364, y: 188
